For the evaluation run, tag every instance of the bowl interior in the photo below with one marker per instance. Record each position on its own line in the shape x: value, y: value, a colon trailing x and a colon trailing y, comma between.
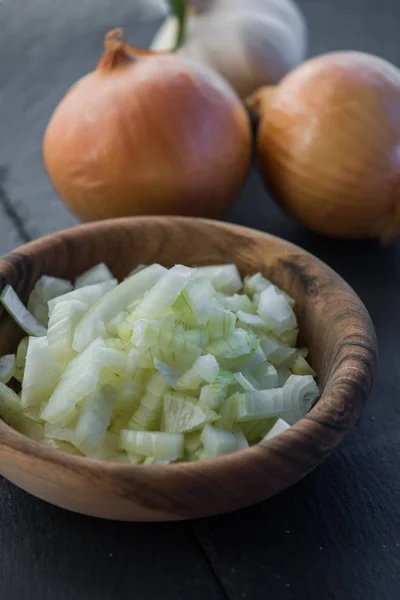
x: 333, y: 323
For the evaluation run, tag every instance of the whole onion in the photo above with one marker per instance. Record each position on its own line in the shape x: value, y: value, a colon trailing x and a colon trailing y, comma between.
x: 147, y: 133
x: 328, y: 144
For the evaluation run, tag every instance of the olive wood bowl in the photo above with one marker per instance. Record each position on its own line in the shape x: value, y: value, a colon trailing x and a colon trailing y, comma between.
x: 333, y: 322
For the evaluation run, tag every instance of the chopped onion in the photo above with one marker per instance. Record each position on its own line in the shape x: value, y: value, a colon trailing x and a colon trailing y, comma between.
x: 204, y: 369
x: 241, y: 442
x: 275, y: 311
x: 114, y: 302
x: 88, y: 294
x: 223, y: 278
x: 60, y: 332
x: 7, y: 367
x: 181, y: 415
x: 160, y: 445
x: 41, y: 373
x: 97, y: 274
x: 20, y: 314
x: 178, y: 364
x: 46, y: 288
x: 164, y: 292
x: 217, y: 442
x: 93, y: 421
x: 279, y: 427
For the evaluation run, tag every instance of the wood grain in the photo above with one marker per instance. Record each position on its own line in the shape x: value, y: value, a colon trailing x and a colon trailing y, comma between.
x: 333, y: 321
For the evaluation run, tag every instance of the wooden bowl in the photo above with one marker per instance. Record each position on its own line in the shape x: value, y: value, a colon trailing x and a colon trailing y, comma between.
x: 333, y: 322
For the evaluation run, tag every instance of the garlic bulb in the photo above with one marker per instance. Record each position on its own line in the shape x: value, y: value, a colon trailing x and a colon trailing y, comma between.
x: 251, y: 43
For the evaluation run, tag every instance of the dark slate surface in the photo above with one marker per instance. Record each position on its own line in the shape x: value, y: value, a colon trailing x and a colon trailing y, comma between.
x: 335, y: 535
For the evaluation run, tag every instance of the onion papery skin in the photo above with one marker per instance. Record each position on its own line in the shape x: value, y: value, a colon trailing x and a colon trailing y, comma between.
x: 328, y: 144
x: 148, y: 134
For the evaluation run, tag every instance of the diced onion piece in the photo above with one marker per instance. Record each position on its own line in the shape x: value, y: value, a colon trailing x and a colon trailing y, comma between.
x: 256, y: 283
x: 252, y: 380
x: 94, y: 420
x: 197, y: 337
x: 148, y: 415
x: 228, y: 413
x: 135, y: 459
x: 170, y: 345
x: 204, y: 369
x: 256, y: 359
x: 302, y: 352
x: 279, y: 427
x: 195, y: 303
x: 295, y: 398
x: 283, y: 376
x: 160, y: 445
x: 139, y: 267
x: 20, y: 358
x: 88, y: 294
x: 301, y: 367
x: 21, y: 352
x: 116, y: 343
x: 182, y: 416
x: 290, y: 337
x: 275, y: 311
x: 199, y: 454
x: 113, y: 303
x: 41, y: 374
x: 46, y: 288
x: 7, y: 367
x: 113, y: 324
x: 254, y: 321
x: 120, y: 419
x: 258, y: 405
x: 79, y: 379
x: 266, y: 375
x: 223, y: 278
x: 176, y: 351
x: 300, y: 392
x: 241, y: 442
x: 11, y: 412
x: 60, y: 333
x: 169, y: 374
x: 63, y: 434
x: 111, y: 361
x: 164, y: 292
x: 239, y: 302
x: 60, y: 445
x: 10, y: 402
x: 145, y: 334
x: 211, y: 395
x: 239, y: 343
x: 277, y: 352
x: 192, y: 442
x: 244, y: 383
x: 96, y: 274
x: 217, y: 442
x: 255, y: 430
x: 221, y: 323
x: 49, y: 287
x: 19, y: 313
x: 151, y: 460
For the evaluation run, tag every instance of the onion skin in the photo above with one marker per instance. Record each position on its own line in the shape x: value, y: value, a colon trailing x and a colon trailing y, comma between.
x: 147, y: 134
x: 328, y: 144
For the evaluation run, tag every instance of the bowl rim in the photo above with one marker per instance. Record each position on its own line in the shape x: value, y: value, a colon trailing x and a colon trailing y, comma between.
x: 310, y: 425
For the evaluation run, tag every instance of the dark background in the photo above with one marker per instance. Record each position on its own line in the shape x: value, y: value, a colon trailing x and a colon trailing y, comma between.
x: 336, y: 534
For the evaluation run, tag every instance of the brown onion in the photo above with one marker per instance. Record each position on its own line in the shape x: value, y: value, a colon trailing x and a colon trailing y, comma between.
x: 147, y: 133
x: 329, y: 144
